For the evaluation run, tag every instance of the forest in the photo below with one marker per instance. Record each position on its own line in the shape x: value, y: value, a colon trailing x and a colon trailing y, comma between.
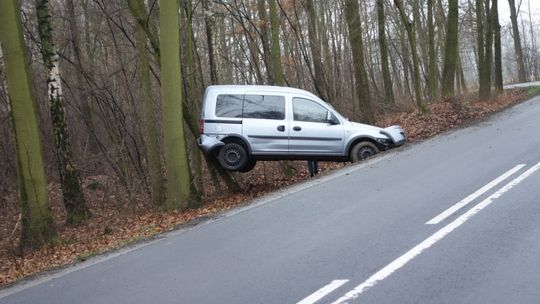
x: 100, y: 100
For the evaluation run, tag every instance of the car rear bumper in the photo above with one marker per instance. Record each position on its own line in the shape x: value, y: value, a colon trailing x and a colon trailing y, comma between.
x: 209, y: 143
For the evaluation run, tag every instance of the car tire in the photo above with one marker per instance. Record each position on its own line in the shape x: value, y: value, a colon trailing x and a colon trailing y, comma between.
x: 233, y: 157
x: 249, y: 166
x: 363, y: 150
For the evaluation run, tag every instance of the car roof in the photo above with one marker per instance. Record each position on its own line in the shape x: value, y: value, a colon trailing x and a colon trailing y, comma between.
x: 231, y: 89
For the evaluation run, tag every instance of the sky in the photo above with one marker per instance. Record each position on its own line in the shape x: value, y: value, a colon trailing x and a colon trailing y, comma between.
x: 504, y: 10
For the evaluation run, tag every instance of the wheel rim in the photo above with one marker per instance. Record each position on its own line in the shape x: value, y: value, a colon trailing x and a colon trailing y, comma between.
x: 365, y: 152
x: 232, y: 157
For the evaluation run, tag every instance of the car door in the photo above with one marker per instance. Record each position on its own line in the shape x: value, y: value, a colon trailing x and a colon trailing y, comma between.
x: 264, y: 124
x: 311, y: 133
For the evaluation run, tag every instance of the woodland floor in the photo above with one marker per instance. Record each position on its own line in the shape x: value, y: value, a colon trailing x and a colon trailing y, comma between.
x: 119, y: 219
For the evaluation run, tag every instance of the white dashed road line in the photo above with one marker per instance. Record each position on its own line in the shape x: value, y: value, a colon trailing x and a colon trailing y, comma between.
x: 427, y: 243
x: 439, y: 218
x: 321, y: 293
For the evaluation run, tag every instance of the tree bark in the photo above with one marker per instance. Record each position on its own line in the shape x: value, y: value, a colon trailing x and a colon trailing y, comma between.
x: 139, y: 12
x: 383, y: 47
x: 315, y: 46
x: 522, y: 74
x: 485, y: 65
x: 72, y: 194
x: 276, y: 49
x: 451, y: 49
x: 498, y: 75
x: 210, y: 23
x: 265, y: 40
x: 432, y: 65
x: 178, y: 174
x: 352, y: 16
x: 37, y: 225
x: 409, y: 26
x: 153, y: 152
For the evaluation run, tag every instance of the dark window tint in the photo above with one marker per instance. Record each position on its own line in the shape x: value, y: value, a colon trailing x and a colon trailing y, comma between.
x: 229, y: 106
x: 308, y: 110
x: 264, y: 106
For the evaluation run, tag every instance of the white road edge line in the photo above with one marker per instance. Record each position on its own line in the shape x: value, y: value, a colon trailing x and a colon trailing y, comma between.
x: 427, y: 243
x: 321, y: 293
x: 439, y: 218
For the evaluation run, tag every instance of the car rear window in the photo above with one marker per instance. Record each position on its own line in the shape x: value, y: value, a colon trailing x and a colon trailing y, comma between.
x: 229, y: 106
x: 264, y: 107
x: 252, y: 106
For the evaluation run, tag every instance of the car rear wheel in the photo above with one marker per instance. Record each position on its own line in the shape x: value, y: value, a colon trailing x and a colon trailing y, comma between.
x: 363, y: 150
x: 233, y: 157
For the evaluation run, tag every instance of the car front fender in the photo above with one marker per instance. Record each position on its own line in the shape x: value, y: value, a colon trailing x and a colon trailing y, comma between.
x: 396, y: 134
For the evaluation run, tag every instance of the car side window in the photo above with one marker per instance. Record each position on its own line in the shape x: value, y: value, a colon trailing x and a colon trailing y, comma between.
x: 308, y: 110
x: 264, y: 107
x: 229, y: 105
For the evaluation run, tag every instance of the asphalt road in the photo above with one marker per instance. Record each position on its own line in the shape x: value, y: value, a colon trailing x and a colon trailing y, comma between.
x: 359, y: 235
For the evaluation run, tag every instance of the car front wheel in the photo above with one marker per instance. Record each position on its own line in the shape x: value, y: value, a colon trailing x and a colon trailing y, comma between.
x: 362, y: 150
x: 233, y: 157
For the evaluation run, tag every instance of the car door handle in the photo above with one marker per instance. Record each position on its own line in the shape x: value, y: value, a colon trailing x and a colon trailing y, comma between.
x: 281, y: 128
x: 297, y: 128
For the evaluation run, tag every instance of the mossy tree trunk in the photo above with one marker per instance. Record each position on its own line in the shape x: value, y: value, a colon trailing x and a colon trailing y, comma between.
x: 139, y: 12
x: 179, y: 192
x: 72, y: 194
x: 153, y: 152
x: 37, y: 225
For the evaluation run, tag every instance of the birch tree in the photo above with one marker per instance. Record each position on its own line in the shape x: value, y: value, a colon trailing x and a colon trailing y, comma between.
x: 72, y: 194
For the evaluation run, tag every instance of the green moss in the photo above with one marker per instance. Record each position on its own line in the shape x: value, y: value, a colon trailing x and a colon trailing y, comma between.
x: 533, y: 91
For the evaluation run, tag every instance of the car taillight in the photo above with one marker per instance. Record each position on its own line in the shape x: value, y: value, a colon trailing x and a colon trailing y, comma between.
x: 201, y: 126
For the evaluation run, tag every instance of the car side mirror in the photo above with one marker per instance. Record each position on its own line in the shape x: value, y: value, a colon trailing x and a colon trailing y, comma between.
x: 331, y: 118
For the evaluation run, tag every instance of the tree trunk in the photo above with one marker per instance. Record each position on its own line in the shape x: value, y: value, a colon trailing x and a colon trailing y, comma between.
x: 522, y: 74
x: 72, y: 194
x: 315, y: 46
x: 480, y: 44
x: 276, y: 49
x: 383, y: 47
x: 451, y: 50
x: 265, y: 39
x: 352, y: 16
x: 81, y: 59
x: 485, y: 79
x: 498, y: 76
x: 139, y: 12
x: 209, y: 23
x: 37, y: 225
x: 409, y: 26
x: 176, y: 161
x: 153, y: 153
x: 432, y: 66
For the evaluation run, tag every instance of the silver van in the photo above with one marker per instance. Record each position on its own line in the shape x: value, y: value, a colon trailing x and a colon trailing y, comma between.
x: 241, y: 124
